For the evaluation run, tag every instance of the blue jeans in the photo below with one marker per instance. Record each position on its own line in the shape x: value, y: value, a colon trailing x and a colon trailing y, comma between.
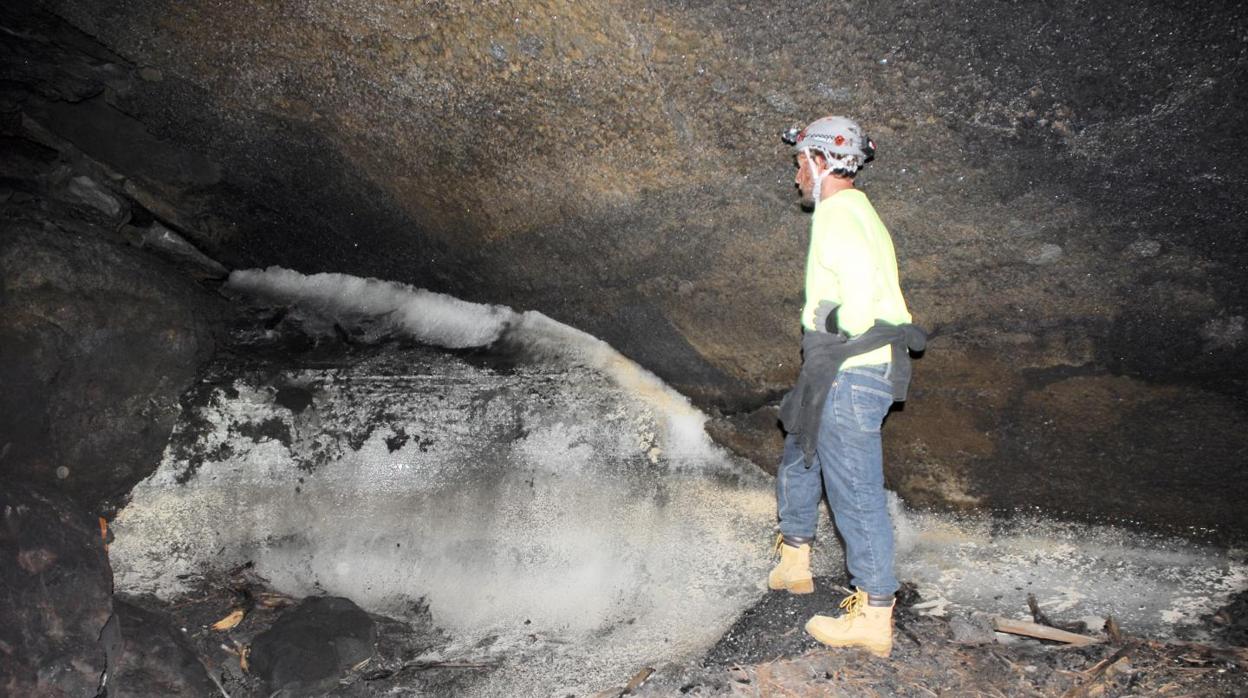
x: 849, y: 463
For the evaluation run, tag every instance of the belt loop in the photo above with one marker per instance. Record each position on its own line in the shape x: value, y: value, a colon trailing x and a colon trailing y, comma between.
x: 888, y: 371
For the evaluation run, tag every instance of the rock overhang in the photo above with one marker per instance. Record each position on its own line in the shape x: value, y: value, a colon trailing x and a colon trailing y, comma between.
x: 1051, y: 175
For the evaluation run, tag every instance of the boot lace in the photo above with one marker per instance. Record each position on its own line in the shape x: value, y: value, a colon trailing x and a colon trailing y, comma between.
x: 852, y: 604
x: 775, y: 552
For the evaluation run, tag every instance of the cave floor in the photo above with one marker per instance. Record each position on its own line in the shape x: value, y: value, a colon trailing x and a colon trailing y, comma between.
x: 764, y: 654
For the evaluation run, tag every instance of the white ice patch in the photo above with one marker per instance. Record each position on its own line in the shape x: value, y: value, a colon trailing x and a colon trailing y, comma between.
x: 1150, y: 584
x: 445, y: 321
x: 569, y: 513
x: 683, y: 434
x: 433, y: 318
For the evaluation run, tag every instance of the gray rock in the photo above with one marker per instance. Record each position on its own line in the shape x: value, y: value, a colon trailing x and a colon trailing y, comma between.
x: 175, y: 247
x: 531, y: 45
x: 1045, y: 254
x: 1145, y: 248
x: 834, y: 93
x: 87, y: 191
x: 782, y: 103
x: 1224, y: 332
x: 972, y: 629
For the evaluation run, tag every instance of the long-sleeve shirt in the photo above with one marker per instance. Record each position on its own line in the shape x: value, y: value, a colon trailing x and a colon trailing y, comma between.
x: 851, y: 262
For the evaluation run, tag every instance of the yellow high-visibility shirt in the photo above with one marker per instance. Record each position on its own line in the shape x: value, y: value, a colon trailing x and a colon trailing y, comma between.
x: 851, y: 262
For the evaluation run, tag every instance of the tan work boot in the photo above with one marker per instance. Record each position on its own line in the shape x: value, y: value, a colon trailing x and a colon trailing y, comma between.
x: 862, y: 625
x: 793, y: 570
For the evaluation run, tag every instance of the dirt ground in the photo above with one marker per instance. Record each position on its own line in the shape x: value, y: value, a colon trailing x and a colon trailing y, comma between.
x: 224, y: 653
x: 766, y: 653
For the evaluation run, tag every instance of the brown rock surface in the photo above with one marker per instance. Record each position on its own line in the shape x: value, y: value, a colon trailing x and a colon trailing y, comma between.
x: 1066, y: 187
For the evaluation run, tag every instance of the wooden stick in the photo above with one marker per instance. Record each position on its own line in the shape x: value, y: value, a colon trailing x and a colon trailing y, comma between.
x: 1043, y: 632
x: 1036, y: 614
x: 1115, y: 632
x: 1101, y: 669
x: 1238, y: 655
x: 638, y: 679
x: 633, y: 684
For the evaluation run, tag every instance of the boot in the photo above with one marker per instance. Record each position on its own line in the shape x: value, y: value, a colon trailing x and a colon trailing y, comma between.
x: 862, y: 625
x: 793, y: 570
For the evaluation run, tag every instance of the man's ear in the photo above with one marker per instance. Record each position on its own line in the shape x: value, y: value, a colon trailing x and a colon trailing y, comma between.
x: 820, y: 161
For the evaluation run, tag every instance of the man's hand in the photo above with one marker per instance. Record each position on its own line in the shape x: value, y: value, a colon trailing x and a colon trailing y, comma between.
x: 825, y: 317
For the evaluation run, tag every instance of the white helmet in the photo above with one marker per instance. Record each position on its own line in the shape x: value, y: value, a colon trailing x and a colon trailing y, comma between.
x: 842, y: 143
x: 835, y: 136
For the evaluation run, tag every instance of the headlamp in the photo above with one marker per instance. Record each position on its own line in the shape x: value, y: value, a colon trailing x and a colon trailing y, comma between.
x: 790, y: 136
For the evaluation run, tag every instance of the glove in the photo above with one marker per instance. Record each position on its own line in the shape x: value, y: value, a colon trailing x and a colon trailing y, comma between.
x: 825, y: 317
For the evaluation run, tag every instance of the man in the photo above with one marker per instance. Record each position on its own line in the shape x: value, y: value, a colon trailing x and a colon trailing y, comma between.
x: 856, y: 333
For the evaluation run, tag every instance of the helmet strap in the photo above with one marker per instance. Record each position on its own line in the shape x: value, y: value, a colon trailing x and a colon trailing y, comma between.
x: 815, y: 175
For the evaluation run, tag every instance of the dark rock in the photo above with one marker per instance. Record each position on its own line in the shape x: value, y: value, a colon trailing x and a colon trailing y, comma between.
x: 156, y: 659
x: 97, y: 340
x: 271, y: 429
x: 971, y: 629
x: 772, y: 627
x: 389, y: 671
x: 755, y: 435
x: 175, y: 248
x: 1230, y: 623
x: 23, y: 160
x: 397, y: 440
x: 294, y: 398
x: 311, y: 645
x: 56, y: 593
x: 114, y: 137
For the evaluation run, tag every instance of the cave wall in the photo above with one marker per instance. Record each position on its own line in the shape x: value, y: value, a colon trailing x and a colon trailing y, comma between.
x: 98, y: 343
x: 1065, y: 186
x: 104, y: 320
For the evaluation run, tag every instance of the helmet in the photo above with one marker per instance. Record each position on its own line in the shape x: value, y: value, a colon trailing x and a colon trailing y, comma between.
x: 842, y: 143
x: 835, y: 136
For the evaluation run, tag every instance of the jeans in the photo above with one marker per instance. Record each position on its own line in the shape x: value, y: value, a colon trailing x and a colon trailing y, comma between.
x: 849, y: 463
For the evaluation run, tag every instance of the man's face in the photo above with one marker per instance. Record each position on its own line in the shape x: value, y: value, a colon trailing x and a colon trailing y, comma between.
x: 803, y: 179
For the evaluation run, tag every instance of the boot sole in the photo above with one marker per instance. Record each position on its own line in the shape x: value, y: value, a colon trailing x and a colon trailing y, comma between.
x: 883, y: 651
x: 805, y: 586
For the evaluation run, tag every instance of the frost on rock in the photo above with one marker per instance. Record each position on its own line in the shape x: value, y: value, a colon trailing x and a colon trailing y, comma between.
x: 567, y: 497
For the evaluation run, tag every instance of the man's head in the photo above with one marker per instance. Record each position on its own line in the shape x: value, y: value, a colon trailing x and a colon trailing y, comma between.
x: 832, y: 146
